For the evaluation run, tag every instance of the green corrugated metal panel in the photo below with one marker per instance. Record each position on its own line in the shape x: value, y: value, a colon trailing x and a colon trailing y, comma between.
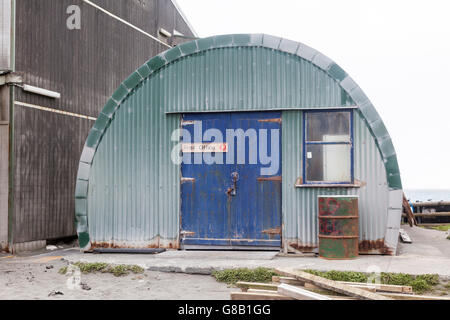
x: 300, y: 210
x: 223, y: 73
x: 133, y: 186
x: 248, y: 78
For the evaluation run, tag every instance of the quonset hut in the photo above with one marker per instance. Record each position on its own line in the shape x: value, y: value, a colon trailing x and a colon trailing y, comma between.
x: 157, y: 170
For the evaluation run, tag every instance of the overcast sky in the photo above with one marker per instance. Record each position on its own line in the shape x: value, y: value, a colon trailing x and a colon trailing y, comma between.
x: 397, y: 51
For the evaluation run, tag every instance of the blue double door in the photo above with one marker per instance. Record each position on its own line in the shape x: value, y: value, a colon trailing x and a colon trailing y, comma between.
x: 231, y: 179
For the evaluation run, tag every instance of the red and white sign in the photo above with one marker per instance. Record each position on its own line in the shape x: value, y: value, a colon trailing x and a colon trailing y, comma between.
x: 204, y: 147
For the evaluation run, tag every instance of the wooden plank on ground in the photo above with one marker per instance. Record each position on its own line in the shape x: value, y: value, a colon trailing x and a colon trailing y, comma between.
x: 330, y: 284
x: 261, y: 291
x: 276, y: 279
x: 364, y: 287
x: 258, y: 296
x: 255, y: 285
x: 311, y: 286
x: 299, y: 293
x: 382, y: 287
x: 289, y: 280
x: 342, y: 298
x: 323, y: 292
x: 400, y: 296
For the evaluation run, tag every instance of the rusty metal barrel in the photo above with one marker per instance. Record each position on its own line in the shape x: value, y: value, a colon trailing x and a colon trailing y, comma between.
x: 338, y: 227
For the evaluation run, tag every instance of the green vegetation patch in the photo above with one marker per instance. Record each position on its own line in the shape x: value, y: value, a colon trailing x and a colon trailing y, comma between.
x: 348, y: 276
x: 231, y: 276
x: 420, y: 283
x: 117, y: 270
x: 442, y: 227
x: 63, y: 270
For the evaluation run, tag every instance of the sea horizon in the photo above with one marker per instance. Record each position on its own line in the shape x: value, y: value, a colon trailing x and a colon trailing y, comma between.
x: 421, y: 195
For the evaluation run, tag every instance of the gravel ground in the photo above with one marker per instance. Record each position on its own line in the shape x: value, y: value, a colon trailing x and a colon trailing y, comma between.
x: 39, y: 280
x: 35, y: 275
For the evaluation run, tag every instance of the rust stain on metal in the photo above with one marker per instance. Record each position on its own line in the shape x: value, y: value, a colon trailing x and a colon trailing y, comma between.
x: 107, y: 245
x: 338, y: 217
x: 183, y: 180
x: 276, y: 120
x: 102, y: 245
x: 5, y: 249
x: 272, y: 231
x: 372, y: 246
x: 360, y: 183
x: 276, y: 178
x: 187, y: 233
x: 302, y: 248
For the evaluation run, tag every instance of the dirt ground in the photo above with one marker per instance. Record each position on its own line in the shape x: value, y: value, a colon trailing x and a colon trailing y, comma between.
x: 39, y: 279
x: 34, y: 276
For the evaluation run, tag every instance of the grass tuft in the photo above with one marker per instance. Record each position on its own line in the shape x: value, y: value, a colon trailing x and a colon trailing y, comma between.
x: 441, y: 227
x: 63, y: 270
x: 444, y: 227
x: 231, y: 276
x: 420, y: 283
x: 348, y: 276
x: 117, y: 270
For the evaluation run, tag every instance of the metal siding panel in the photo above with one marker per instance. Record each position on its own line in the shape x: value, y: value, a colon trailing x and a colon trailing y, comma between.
x: 248, y: 78
x: 44, y: 173
x: 5, y: 35
x: 300, y: 204
x: 86, y: 72
x: 134, y: 160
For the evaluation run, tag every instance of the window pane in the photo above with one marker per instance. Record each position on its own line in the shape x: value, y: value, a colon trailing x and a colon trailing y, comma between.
x: 328, y: 126
x: 328, y: 163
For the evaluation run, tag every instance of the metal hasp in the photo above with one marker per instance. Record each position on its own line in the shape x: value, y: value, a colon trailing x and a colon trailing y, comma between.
x: 232, y: 191
x: 338, y: 227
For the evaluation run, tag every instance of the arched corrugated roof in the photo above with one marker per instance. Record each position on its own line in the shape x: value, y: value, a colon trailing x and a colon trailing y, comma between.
x: 106, y: 116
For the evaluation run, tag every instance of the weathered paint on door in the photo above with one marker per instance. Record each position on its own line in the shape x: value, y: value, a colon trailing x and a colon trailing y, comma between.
x: 232, y: 203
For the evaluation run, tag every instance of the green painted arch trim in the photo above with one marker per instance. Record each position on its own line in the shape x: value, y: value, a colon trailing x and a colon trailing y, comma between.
x: 301, y: 50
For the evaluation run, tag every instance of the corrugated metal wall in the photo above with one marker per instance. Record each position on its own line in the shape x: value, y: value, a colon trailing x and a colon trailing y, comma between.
x: 250, y: 78
x: 5, y: 34
x: 134, y: 187
x: 85, y: 66
x: 134, y: 193
x: 300, y: 204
